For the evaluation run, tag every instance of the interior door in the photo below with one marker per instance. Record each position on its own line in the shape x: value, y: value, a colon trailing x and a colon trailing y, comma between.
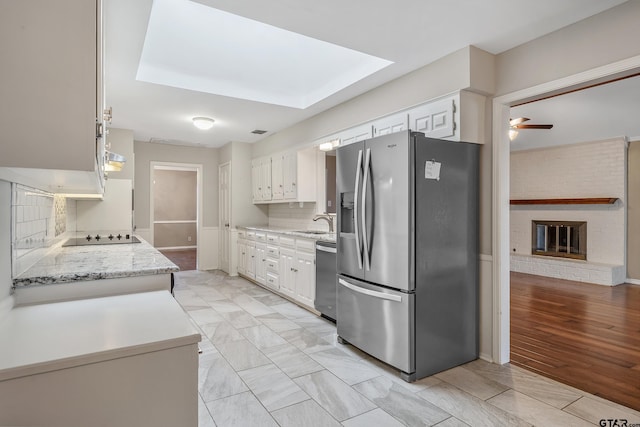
x: 224, y: 174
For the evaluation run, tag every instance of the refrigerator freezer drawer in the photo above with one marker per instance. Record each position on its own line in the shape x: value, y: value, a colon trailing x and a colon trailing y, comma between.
x: 378, y: 321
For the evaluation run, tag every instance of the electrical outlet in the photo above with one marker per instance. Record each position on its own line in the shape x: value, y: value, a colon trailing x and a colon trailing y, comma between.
x: 188, y: 238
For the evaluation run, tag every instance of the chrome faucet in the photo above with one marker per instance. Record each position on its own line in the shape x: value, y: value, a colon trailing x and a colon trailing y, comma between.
x: 327, y: 218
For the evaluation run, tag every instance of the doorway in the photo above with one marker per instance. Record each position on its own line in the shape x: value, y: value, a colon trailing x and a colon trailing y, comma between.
x: 501, y: 172
x: 175, y: 212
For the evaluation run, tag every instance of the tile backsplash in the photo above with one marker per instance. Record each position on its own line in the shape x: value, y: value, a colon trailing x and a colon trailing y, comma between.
x: 296, y: 217
x: 38, y: 218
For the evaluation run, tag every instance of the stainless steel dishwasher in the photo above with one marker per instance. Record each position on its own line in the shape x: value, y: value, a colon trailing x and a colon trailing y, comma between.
x: 325, y: 301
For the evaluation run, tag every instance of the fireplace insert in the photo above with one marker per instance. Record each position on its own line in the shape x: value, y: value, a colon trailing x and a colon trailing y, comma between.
x: 565, y: 239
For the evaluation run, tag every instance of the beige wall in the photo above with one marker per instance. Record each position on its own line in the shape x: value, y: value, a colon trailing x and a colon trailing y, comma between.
x: 174, y: 195
x: 601, y: 39
x: 175, y: 199
x: 633, y: 211
x: 175, y: 235
x: 146, y: 152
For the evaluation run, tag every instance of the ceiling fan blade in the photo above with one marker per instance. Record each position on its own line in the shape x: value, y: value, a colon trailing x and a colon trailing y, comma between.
x: 517, y: 121
x: 533, y: 126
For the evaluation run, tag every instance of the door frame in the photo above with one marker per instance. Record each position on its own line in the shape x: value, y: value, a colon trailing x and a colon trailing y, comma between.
x: 192, y: 167
x: 501, y: 177
x: 221, y: 226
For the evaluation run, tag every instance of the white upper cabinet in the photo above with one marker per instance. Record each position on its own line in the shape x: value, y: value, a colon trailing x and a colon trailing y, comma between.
x: 277, y: 178
x: 391, y: 124
x: 52, y: 88
x: 261, y: 179
x: 434, y: 119
x: 265, y: 176
x: 356, y: 134
x: 287, y: 177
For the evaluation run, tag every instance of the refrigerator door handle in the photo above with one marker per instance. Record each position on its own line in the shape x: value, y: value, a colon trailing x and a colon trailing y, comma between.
x: 365, y: 179
x: 369, y: 292
x: 355, y: 210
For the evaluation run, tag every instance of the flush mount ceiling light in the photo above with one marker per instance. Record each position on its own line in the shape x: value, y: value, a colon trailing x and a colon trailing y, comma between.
x: 193, y: 46
x: 203, y: 123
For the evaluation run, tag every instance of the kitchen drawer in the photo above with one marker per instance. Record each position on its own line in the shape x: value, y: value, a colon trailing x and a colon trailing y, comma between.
x: 272, y: 238
x: 273, y: 280
x: 306, y: 245
x: 251, y: 235
x: 242, y: 234
x: 273, y: 251
x: 261, y: 236
x: 272, y: 265
x: 287, y: 241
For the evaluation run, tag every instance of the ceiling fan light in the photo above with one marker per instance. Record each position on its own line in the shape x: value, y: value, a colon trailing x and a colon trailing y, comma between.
x: 512, y: 134
x: 518, y: 120
x: 203, y: 123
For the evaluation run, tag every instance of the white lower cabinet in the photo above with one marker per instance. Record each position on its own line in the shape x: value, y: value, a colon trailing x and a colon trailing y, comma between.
x: 287, y: 272
x: 242, y: 256
x: 297, y: 271
x: 251, y: 260
x: 283, y: 263
x: 261, y: 263
x: 305, y: 278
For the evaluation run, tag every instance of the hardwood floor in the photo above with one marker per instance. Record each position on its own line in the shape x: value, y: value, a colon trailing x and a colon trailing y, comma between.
x: 583, y: 335
x: 183, y: 258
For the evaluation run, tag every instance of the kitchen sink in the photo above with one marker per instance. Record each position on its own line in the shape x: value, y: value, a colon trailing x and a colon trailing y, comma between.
x: 311, y: 232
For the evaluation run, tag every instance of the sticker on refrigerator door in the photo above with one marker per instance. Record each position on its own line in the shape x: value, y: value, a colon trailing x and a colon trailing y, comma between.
x: 432, y: 170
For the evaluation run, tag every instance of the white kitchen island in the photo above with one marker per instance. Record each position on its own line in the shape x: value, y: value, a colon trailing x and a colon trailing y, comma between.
x: 127, y: 360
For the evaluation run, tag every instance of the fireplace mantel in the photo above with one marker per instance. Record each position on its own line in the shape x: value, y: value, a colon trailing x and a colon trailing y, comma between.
x: 577, y: 201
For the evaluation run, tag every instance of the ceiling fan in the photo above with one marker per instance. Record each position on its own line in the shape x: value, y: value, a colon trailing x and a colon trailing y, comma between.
x: 517, y: 124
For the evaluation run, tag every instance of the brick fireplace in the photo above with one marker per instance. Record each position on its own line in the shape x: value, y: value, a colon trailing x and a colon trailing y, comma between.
x: 551, y: 239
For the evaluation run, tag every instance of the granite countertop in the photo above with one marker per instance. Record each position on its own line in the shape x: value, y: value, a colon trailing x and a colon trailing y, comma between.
x: 308, y: 234
x: 95, y: 262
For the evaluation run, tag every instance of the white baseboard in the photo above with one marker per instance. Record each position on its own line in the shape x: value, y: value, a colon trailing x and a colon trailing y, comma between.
x: 632, y: 281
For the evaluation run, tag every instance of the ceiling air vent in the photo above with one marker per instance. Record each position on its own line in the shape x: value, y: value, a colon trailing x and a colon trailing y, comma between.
x: 258, y: 131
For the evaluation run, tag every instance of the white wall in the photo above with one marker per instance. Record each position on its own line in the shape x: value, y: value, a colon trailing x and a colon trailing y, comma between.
x: 602, y: 39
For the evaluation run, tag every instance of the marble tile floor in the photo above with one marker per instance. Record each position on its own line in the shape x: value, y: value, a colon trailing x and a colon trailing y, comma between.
x: 267, y: 362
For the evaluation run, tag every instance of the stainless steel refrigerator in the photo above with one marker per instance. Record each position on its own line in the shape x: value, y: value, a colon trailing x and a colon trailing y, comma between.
x: 408, y: 251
